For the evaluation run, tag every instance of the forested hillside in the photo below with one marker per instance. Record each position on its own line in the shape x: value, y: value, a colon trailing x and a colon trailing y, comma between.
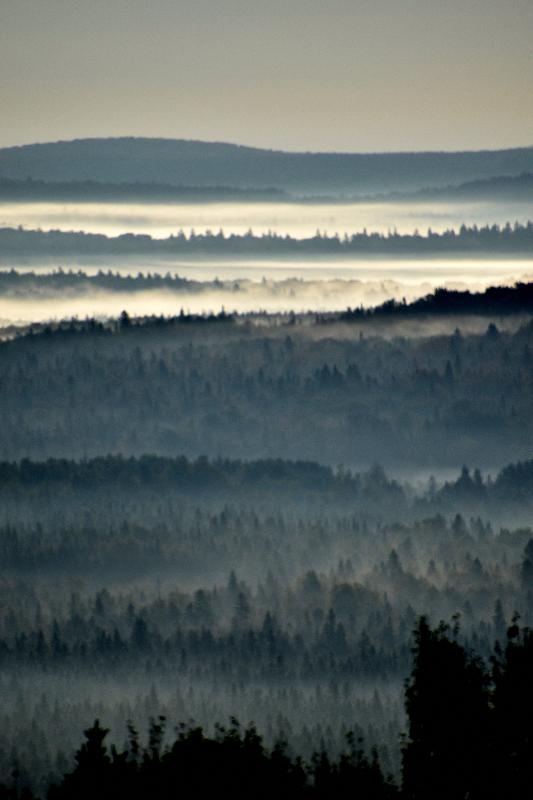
x: 257, y: 388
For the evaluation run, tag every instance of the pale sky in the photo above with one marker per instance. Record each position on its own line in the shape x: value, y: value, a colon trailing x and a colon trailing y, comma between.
x: 359, y: 75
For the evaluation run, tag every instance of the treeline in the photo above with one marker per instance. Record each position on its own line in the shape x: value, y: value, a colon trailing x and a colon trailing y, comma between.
x: 16, y: 283
x: 234, y: 762
x: 498, y: 300
x: 466, y: 241
x: 496, y: 188
x: 275, y: 477
x: 180, y: 473
x: 500, y: 187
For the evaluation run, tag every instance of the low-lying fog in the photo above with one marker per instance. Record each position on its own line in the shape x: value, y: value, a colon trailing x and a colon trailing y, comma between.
x: 252, y: 286
x: 299, y: 220
x: 241, y: 296
x: 459, y: 273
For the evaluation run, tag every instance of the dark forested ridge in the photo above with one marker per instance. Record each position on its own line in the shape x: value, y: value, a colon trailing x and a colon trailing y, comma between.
x: 500, y: 187
x: 495, y: 300
x: 493, y: 240
x: 196, y: 163
x: 258, y: 387
x: 126, y: 518
x: 305, y: 484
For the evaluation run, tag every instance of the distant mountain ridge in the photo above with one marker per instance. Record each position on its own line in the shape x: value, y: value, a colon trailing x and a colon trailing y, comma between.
x: 195, y: 163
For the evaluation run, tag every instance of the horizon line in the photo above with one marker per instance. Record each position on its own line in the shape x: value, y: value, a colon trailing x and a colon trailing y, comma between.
x: 233, y: 144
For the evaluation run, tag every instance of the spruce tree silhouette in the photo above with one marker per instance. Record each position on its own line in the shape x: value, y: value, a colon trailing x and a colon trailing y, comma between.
x: 92, y: 776
x: 447, y: 703
x: 512, y: 673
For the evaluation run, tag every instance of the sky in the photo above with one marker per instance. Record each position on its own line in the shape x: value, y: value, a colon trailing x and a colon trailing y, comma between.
x: 342, y: 75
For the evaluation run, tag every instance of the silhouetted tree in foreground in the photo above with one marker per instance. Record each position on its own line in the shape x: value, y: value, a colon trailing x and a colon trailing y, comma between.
x: 512, y: 725
x: 447, y: 703
x: 470, y: 728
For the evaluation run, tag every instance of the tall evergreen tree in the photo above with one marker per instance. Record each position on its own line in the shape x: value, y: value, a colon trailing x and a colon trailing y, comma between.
x: 512, y: 757
x: 447, y: 703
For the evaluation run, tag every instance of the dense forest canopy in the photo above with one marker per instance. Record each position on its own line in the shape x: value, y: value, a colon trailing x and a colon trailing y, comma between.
x: 289, y: 387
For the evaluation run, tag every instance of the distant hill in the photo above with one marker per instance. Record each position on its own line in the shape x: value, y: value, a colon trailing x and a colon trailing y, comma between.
x: 501, y: 187
x: 31, y: 190
x: 201, y: 164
